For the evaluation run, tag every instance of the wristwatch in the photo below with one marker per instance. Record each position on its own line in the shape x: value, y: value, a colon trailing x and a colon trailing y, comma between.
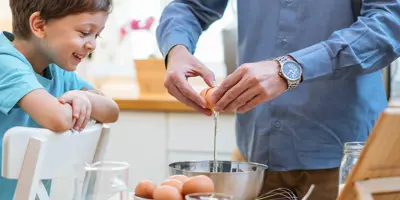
x: 289, y: 70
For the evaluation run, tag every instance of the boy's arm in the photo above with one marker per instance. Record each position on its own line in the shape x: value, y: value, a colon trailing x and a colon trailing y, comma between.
x: 20, y: 87
x: 47, y: 111
x: 104, y: 109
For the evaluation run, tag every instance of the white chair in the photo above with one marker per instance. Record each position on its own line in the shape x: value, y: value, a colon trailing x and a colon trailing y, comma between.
x: 33, y: 154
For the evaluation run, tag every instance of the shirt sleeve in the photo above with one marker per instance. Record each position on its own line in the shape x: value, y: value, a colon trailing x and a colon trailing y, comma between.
x: 368, y: 45
x: 75, y: 82
x: 17, y: 79
x: 183, y: 21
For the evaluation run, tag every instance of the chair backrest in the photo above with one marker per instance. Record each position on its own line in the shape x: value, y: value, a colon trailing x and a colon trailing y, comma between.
x: 33, y: 154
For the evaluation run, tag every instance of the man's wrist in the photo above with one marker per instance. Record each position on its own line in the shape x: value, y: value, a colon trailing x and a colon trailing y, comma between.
x: 174, y: 50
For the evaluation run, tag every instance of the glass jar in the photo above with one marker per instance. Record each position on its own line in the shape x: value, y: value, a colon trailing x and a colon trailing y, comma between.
x: 105, y: 180
x: 351, y: 152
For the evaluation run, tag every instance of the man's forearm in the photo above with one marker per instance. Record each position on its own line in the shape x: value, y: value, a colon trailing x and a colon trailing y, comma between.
x: 183, y: 21
x: 367, y: 46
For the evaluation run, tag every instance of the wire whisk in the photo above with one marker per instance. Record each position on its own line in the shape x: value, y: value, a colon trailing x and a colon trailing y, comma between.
x: 284, y: 193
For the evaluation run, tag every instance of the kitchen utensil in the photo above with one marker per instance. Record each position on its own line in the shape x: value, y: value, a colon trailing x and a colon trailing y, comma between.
x: 208, y: 196
x: 242, y: 180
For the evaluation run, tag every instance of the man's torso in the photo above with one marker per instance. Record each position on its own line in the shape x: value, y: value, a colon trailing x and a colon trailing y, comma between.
x: 307, y: 127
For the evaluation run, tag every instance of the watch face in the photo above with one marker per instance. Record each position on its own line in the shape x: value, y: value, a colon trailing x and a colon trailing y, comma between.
x: 291, y: 70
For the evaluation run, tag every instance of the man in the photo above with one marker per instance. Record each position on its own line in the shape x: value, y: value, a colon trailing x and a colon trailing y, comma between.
x: 308, y: 79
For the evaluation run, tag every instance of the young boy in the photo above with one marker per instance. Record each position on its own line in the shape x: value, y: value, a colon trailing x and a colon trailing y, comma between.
x: 38, y: 87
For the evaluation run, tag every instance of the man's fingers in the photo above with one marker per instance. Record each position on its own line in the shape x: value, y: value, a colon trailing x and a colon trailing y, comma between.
x: 231, y: 95
x: 174, y: 91
x: 207, y: 75
x: 245, y: 97
x: 226, y: 85
x: 185, y: 89
x: 250, y: 104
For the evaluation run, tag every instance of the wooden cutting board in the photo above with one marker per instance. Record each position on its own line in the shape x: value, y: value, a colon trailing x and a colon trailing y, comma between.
x: 380, y: 157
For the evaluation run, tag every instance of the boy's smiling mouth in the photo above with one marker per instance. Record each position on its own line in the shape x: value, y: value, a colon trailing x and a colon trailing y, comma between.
x: 78, y: 56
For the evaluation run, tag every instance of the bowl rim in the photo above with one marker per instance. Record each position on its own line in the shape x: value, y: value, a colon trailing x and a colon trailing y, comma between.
x: 170, y: 165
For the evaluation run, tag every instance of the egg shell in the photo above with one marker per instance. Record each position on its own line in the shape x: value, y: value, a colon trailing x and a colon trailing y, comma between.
x: 145, y: 189
x: 166, y: 192
x: 174, y: 183
x: 206, y: 94
x: 198, y: 184
x: 179, y: 177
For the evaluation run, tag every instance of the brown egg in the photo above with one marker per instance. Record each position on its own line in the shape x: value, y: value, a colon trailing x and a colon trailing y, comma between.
x: 206, y: 94
x: 198, y: 184
x: 174, y: 183
x: 166, y: 192
x: 181, y: 178
x: 145, y: 189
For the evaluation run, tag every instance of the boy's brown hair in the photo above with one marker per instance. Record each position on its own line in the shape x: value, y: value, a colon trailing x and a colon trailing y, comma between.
x: 50, y: 9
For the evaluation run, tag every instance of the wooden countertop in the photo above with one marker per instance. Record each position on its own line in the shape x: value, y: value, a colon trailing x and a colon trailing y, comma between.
x: 125, y: 91
x: 151, y: 103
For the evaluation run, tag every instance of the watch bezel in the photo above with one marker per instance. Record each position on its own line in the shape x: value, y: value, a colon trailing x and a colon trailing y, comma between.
x: 284, y: 74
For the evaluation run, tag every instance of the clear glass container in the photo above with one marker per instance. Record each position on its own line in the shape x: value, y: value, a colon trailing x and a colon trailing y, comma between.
x: 351, y: 152
x: 208, y: 196
x: 105, y: 180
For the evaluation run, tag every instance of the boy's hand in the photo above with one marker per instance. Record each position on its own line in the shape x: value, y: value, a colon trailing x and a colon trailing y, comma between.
x: 93, y: 91
x: 81, y: 106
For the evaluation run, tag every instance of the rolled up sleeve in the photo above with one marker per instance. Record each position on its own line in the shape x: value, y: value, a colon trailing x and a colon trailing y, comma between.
x: 368, y: 45
x: 183, y: 21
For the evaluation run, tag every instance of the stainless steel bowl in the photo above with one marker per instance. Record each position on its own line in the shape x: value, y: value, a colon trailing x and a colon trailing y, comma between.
x: 242, y: 180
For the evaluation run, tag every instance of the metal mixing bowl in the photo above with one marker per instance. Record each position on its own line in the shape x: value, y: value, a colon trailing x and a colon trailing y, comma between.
x: 242, y: 180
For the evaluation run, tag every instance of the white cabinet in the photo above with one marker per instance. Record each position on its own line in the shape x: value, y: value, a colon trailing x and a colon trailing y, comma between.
x: 149, y: 141
x: 139, y: 138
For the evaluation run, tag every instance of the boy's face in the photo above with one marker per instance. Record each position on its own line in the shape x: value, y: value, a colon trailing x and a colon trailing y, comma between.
x: 70, y: 39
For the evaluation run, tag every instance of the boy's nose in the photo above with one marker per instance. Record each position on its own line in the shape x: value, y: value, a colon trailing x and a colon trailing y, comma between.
x: 91, y: 46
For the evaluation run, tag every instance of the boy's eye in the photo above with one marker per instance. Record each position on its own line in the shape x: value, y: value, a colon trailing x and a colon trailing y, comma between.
x: 85, y: 34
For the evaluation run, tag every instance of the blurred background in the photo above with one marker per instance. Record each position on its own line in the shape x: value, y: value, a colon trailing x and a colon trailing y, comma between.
x: 154, y: 129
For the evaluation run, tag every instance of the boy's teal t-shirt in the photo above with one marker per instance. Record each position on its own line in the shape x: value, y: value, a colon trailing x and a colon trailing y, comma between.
x: 17, y: 79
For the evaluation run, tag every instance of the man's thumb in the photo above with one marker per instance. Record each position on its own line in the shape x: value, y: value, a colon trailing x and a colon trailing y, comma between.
x: 208, y: 76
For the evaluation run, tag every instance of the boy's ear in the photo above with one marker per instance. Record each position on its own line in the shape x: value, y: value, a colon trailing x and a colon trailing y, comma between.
x: 37, y: 25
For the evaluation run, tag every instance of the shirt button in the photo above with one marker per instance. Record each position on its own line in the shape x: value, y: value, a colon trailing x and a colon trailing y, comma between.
x: 284, y: 41
x: 288, y: 1
x: 277, y: 124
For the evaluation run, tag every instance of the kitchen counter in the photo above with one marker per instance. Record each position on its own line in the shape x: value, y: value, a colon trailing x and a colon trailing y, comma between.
x: 125, y: 91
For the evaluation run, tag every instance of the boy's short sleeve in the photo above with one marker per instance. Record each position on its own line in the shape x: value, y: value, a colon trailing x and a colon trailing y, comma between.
x: 74, y: 82
x: 17, y: 79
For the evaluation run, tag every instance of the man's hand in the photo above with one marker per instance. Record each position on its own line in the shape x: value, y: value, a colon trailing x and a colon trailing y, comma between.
x: 181, y: 65
x: 250, y: 85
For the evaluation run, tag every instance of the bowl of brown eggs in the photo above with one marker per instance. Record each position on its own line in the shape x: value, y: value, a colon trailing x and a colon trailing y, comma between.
x: 242, y: 180
x: 175, y: 187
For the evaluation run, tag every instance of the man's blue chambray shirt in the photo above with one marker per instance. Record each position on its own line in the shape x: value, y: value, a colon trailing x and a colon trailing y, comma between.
x: 342, y: 94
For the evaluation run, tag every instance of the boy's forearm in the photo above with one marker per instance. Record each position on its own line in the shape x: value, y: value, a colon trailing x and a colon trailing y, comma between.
x: 104, y: 109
